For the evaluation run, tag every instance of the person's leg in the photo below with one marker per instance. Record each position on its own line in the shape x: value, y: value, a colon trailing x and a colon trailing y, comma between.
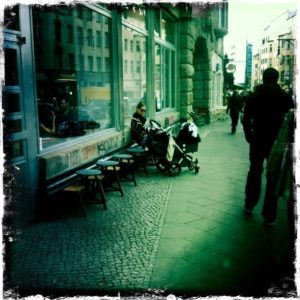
x: 253, y: 184
x: 234, y: 121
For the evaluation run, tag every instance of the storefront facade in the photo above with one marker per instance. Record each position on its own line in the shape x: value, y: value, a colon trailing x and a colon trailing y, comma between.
x: 91, y: 64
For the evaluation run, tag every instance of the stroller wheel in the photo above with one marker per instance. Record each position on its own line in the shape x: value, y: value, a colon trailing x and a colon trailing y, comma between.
x: 174, y: 169
x: 162, y: 165
x: 191, y: 166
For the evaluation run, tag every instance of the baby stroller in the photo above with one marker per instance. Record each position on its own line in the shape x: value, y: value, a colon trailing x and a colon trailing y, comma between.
x: 171, y: 153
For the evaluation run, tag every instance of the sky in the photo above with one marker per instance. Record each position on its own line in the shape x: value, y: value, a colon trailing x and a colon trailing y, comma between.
x: 246, y: 22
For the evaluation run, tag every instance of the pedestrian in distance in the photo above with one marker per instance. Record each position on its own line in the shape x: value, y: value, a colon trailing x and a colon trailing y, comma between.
x: 234, y: 107
x: 264, y: 111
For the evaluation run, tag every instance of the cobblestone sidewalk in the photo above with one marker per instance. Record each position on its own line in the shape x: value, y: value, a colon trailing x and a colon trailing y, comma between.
x: 111, y: 250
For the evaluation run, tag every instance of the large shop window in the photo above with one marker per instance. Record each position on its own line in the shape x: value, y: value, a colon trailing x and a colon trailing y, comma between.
x: 164, y: 78
x: 164, y: 29
x: 134, y: 61
x: 72, y: 72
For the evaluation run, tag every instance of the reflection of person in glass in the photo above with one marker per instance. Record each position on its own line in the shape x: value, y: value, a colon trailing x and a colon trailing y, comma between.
x: 65, y: 113
x: 138, y: 121
x: 47, y: 120
x: 66, y: 120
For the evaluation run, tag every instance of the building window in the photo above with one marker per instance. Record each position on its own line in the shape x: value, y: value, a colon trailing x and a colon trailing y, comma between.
x: 131, y: 46
x: 125, y: 44
x: 164, y: 26
x: 91, y: 63
x: 80, y: 35
x: 98, y: 18
x: 90, y: 37
x: 99, y: 64
x: 138, y: 46
x: 70, y: 37
x: 76, y: 85
x: 164, y: 77
x: 71, y: 61
x: 131, y: 67
x: 79, y: 12
x: 126, y: 66
x: 89, y: 15
x: 134, y: 86
x: 98, y: 39
x: 106, y: 40
x: 57, y: 29
x: 138, y: 67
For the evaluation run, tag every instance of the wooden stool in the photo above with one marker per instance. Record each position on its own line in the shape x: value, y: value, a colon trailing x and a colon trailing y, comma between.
x: 140, y: 159
x: 77, y: 189
x: 92, y: 181
x: 110, y: 169
x: 126, y: 163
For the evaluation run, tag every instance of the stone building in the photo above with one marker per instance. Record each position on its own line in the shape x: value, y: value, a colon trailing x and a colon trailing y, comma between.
x: 99, y: 60
x: 278, y: 49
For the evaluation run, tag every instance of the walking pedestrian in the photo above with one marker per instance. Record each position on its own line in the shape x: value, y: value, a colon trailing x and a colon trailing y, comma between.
x: 234, y: 107
x: 264, y: 111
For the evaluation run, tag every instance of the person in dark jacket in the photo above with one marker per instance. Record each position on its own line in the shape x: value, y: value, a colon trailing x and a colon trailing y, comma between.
x: 264, y: 111
x: 234, y: 107
x: 138, y: 121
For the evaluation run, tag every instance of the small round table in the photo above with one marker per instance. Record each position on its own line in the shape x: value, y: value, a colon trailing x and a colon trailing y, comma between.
x: 110, y: 170
x: 140, y: 158
x: 92, y: 180
x: 126, y: 163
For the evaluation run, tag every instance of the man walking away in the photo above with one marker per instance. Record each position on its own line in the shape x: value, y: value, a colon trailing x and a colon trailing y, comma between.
x: 234, y: 107
x: 263, y: 115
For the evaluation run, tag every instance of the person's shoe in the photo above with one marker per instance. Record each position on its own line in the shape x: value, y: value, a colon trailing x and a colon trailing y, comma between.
x: 269, y: 223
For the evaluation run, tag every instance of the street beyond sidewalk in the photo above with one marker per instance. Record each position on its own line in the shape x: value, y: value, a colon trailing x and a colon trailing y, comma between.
x: 185, y: 236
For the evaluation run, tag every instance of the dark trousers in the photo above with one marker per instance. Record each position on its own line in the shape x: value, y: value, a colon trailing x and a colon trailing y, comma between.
x: 234, y: 115
x: 258, y: 153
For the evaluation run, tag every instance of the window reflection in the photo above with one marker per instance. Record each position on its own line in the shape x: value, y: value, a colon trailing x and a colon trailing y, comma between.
x: 11, y: 70
x: 11, y: 17
x: 167, y: 28
x: 136, y: 15
x: 164, y: 78
x: 134, y: 70
x: 11, y: 102
x: 14, y: 149
x: 72, y: 69
x: 164, y: 26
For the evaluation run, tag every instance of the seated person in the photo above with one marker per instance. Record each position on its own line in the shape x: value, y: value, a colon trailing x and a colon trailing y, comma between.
x: 64, y: 113
x: 47, y: 120
x: 67, y: 124
x: 138, y: 121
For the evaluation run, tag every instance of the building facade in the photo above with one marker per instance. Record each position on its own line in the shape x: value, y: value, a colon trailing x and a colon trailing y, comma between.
x: 278, y: 50
x: 99, y: 61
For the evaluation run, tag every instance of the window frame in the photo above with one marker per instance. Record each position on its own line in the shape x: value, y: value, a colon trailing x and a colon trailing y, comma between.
x: 100, y: 11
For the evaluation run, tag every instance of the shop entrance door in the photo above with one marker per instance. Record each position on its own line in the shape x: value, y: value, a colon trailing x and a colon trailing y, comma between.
x: 19, y: 125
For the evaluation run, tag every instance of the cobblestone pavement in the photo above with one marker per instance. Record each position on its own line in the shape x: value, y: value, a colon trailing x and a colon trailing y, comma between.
x: 111, y: 250
x: 181, y: 235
